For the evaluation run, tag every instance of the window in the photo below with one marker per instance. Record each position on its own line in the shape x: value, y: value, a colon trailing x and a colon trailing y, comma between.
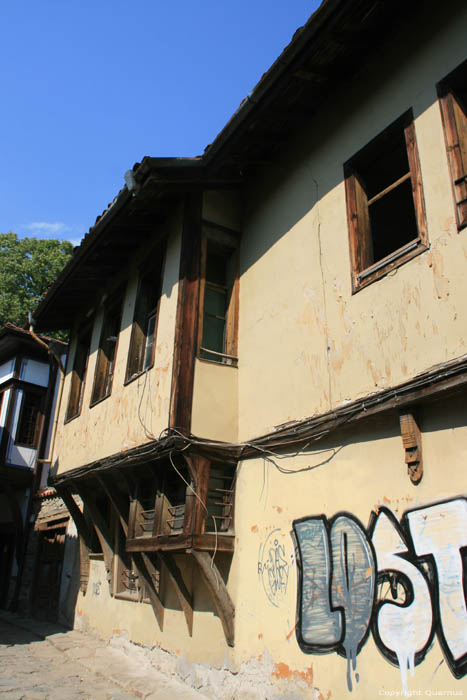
x: 217, y: 337
x: 452, y: 93
x: 386, y: 211
x: 175, y: 510
x: 143, y: 333
x: 106, y: 355
x: 29, y: 423
x: 78, y: 374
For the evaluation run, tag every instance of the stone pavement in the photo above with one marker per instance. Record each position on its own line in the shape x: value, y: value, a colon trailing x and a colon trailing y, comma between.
x: 42, y: 661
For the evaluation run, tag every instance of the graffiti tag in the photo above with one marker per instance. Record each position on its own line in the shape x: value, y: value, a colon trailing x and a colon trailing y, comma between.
x: 273, y: 568
x: 405, y: 581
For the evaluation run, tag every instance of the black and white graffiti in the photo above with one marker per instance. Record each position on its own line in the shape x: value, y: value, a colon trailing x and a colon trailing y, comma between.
x: 273, y: 568
x: 405, y: 581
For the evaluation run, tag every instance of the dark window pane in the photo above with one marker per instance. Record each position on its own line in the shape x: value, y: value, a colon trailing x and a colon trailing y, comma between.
x: 393, y: 222
x: 28, y: 421
x: 215, y: 301
x: 213, y: 334
x: 216, y: 267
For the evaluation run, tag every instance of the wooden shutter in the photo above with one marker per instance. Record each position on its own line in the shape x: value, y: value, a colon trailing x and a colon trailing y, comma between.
x: 416, y: 179
x: 455, y: 131
x: 361, y: 243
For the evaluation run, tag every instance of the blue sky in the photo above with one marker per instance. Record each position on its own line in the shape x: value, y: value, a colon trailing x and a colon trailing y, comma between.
x: 89, y: 88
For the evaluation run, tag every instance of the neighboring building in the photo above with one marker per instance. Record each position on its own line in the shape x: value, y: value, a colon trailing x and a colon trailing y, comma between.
x: 263, y: 430
x: 29, y: 384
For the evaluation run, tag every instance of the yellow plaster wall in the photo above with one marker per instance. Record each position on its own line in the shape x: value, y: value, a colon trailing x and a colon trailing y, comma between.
x: 306, y: 344
x: 215, y: 390
x: 138, y: 411
x: 108, y: 616
x: 367, y: 471
x: 215, y: 401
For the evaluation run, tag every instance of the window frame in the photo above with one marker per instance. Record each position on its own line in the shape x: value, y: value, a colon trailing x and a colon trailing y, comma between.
x: 77, y: 382
x: 227, y: 241
x: 204, y: 501
x: 39, y: 417
x: 105, y: 367
x: 454, y: 120
x: 137, y: 352
x: 363, y: 271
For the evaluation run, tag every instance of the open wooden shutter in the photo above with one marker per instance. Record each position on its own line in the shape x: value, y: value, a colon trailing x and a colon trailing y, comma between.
x: 361, y: 243
x: 455, y: 130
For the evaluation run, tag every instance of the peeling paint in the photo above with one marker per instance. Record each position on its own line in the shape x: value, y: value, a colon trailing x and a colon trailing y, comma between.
x: 284, y: 672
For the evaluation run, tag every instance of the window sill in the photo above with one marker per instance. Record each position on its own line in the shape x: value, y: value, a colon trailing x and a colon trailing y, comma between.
x: 391, y: 262
x: 137, y: 375
x: 97, y: 401
x: 168, y: 543
x: 69, y: 419
x: 217, y: 358
x: 97, y: 556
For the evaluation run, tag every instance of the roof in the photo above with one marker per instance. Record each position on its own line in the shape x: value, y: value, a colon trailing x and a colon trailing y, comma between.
x: 15, y: 340
x: 324, y: 55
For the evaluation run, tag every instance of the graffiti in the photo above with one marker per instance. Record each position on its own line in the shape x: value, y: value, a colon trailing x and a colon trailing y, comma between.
x: 403, y: 581
x: 96, y: 589
x: 273, y: 568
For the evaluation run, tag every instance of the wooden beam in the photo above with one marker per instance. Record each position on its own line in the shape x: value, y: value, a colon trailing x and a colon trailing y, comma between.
x: 76, y: 514
x: 83, y: 534
x: 102, y: 531
x: 117, y: 500
x: 146, y: 571
x: 219, y: 593
x: 412, y: 444
x: 186, y: 324
x: 143, y: 565
x: 184, y: 596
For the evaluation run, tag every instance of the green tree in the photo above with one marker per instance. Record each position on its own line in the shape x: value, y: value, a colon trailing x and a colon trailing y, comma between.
x: 27, y: 267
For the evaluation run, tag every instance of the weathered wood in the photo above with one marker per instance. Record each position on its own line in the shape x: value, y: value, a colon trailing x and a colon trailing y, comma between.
x: 76, y: 514
x: 219, y: 593
x: 181, y: 397
x: 389, y: 189
x: 145, y: 570
x: 177, y: 543
x: 412, y: 444
x: 116, y: 498
x: 102, y: 531
x: 416, y: 177
x: 455, y: 134
x: 184, y: 596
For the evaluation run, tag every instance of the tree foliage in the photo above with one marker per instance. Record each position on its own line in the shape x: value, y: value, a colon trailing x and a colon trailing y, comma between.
x: 27, y: 267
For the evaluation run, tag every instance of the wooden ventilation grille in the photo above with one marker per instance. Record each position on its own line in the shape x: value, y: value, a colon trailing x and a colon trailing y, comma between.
x: 175, y: 521
x: 220, y: 499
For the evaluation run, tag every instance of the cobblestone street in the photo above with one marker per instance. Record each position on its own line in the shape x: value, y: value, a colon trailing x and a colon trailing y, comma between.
x: 40, y: 661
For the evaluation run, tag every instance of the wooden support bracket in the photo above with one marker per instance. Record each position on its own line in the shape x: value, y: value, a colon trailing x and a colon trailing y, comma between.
x: 218, y: 590
x: 84, y: 536
x: 102, y: 531
x: 117, y: 500
x: 184, y: 596
x: 143, y: 565
x: 146, y: 572
x: 412, y: 443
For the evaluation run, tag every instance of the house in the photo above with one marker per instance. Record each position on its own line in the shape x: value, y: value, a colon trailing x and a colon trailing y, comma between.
x: 29, y: 387
x: 262, y: 437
